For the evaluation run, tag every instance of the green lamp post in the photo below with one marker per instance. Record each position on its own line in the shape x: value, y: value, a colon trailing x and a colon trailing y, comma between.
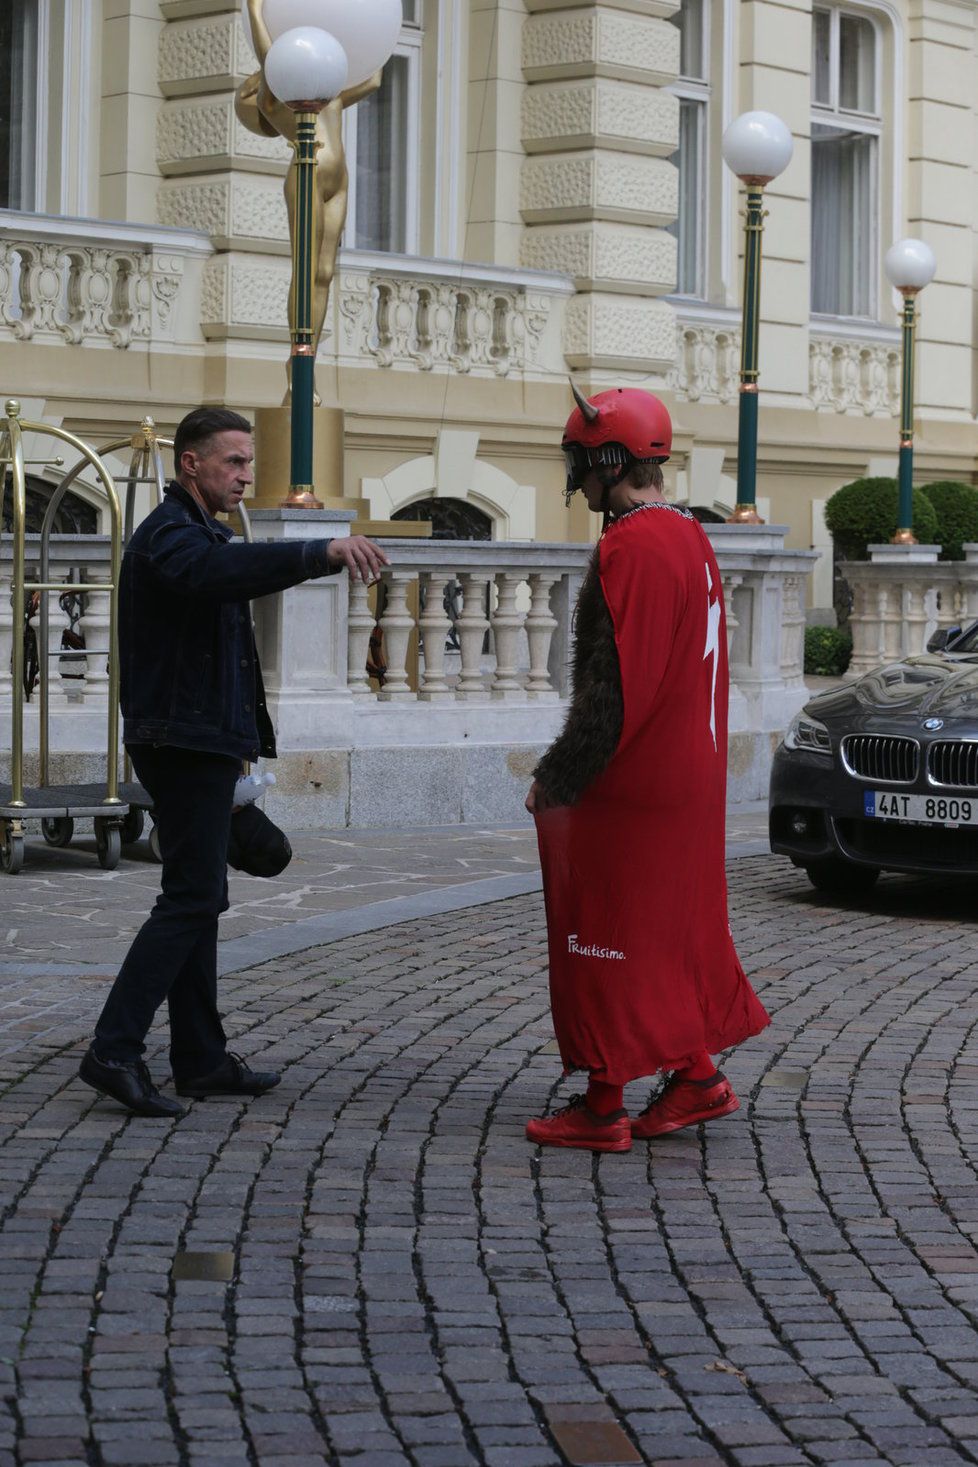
x: 305, y: 68
x: 757, y: 146
x: 909, y: 265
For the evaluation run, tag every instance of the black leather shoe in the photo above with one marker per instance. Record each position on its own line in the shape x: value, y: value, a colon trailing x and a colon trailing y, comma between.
x: 232, y: 1077
x: 129, y: 1082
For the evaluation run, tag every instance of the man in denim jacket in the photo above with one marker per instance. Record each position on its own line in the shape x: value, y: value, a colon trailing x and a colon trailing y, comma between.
x: 193, y: 706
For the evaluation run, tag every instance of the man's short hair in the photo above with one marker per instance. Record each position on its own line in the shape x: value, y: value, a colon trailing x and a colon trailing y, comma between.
x: 644, y: 476
x: 202, y: 424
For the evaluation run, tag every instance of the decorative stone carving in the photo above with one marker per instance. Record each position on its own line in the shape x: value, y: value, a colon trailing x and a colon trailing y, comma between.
x: 600, y: 184
x: 559, y: 115
x: 86, y: 293
x: 196, y: 137
x: 245, y: 296
x: 852, y: 376
x: 619, y: 332
x: 707, y: 363
x: 229, y: 209
x: 440, y: 325
x: 602, y: 41
x: 204, y: 54
x: 619, y: 256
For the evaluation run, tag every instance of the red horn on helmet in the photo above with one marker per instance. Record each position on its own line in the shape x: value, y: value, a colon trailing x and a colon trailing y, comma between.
x: 591, y: 413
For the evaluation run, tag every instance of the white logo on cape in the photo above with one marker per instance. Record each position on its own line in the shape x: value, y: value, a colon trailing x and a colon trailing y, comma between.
x: 712, y: 648
x: 588, y: 950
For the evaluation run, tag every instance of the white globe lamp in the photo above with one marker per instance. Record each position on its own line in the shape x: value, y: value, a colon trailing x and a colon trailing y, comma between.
x: 306, y: 65
x: 910, y: 265
x: 366, y: 29
x: 757, y: 147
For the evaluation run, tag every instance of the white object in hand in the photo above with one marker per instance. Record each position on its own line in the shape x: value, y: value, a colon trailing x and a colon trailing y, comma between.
x: 251, y: 787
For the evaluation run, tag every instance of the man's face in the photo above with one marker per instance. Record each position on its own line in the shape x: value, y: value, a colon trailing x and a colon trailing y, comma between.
x: 218, y: 473
x: 593, y: 491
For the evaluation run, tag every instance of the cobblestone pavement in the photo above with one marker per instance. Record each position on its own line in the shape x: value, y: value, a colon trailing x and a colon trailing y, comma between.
x: 411, y: 1283
x: 64, y: 915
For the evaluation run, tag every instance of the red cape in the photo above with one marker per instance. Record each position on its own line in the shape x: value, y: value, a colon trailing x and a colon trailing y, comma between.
x: 643, y: 972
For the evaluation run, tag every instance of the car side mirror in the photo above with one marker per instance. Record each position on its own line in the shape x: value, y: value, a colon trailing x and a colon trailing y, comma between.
x: 938, y: 642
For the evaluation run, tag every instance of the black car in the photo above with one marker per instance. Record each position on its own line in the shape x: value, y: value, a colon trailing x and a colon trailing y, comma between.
x: 882, y: 773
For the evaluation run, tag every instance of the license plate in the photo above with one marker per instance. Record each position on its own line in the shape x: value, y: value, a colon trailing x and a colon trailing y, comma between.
x: 920, y: 809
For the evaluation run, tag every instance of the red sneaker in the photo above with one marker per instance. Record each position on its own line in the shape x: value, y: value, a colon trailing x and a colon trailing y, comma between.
x: 576, y: 1125
x: 685, y: 1103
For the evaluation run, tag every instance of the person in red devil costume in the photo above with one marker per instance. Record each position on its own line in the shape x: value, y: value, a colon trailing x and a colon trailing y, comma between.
x: 629, y: 803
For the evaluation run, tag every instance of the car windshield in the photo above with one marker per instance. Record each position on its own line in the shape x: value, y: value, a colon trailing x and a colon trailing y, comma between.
x: 968, y: 642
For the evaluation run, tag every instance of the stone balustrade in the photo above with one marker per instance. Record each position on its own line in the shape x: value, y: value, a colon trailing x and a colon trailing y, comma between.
x: 453, y: 599
x: 477, y: 637
x: 851, y: 369
x: 442, y: 316
x: 854, y: 369
x: 899, y: 600
x: 91, y: 284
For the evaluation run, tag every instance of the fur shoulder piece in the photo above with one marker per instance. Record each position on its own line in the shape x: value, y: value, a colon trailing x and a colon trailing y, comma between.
x: 593, y: 728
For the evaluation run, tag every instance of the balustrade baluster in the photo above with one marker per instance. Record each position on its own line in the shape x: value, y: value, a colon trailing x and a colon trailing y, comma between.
x: 397, y: 624
x: 94, y: 627
x: 472, y: 626
x: 507, y: 623
x: 434, y: 626
x: 792, y: 630
x: 360, y: 623
x: 540, y: 627
x: 731, y: 583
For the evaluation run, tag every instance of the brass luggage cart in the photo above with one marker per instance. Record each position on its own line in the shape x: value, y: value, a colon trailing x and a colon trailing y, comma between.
x: 145, y: 467
x: 102, y: 802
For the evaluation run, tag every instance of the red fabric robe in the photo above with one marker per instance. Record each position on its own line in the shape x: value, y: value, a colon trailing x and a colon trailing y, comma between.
x: 643, y: 972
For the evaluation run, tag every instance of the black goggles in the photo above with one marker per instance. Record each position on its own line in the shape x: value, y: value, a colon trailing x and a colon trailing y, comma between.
x: 611, y: 460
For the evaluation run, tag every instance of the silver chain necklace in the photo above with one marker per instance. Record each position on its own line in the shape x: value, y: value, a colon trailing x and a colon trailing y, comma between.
x: 652, y: 504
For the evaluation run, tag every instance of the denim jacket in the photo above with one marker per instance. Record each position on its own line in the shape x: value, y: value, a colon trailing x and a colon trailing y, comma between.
x: 189, y: 673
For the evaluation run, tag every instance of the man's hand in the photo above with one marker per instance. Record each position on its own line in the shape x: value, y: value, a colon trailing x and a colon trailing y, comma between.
x: 536, y: 800
x: 360, y: 556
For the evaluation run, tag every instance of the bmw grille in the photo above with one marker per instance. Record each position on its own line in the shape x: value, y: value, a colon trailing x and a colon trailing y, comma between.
x: 880, y: 757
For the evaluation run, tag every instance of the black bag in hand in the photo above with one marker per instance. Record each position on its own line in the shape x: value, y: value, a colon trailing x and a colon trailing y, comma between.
x: 256, y: 845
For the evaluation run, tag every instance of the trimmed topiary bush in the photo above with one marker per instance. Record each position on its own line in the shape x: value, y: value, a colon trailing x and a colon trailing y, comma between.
x: 957, y: 515
x: 828, y: 651
x: 865, y: 513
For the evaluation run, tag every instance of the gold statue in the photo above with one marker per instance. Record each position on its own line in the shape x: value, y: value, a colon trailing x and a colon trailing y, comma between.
x: 261, y: 112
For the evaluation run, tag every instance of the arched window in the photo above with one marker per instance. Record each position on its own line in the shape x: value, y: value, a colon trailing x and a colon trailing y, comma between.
x: 450, y: 519
x: 74, y: 516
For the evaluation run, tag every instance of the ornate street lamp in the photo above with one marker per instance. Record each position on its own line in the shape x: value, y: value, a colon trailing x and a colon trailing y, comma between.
x: 316, y: 57
x: 909, y: 265
x: 757, y: 146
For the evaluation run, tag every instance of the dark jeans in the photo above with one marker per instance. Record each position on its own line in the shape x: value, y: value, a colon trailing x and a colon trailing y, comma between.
x: 174, y: 953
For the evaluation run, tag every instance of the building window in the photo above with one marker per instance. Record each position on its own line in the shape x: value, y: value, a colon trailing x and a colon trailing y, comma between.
x: 846, y: 129
x: 18, y: 103
x: 382, y: 147
x: 693, y: 91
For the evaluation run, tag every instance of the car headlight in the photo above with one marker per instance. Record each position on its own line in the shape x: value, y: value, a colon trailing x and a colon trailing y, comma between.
x: 807, y: 733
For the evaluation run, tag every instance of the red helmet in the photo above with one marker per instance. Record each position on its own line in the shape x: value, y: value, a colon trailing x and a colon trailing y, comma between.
x: 612, y: 431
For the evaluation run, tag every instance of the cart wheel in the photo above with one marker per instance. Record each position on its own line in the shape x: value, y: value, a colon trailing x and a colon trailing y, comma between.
x: 108, y: 844
x: 11, y: 851
x: 132, y: 826
x: 58, y: 830
x: 154, y: 844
